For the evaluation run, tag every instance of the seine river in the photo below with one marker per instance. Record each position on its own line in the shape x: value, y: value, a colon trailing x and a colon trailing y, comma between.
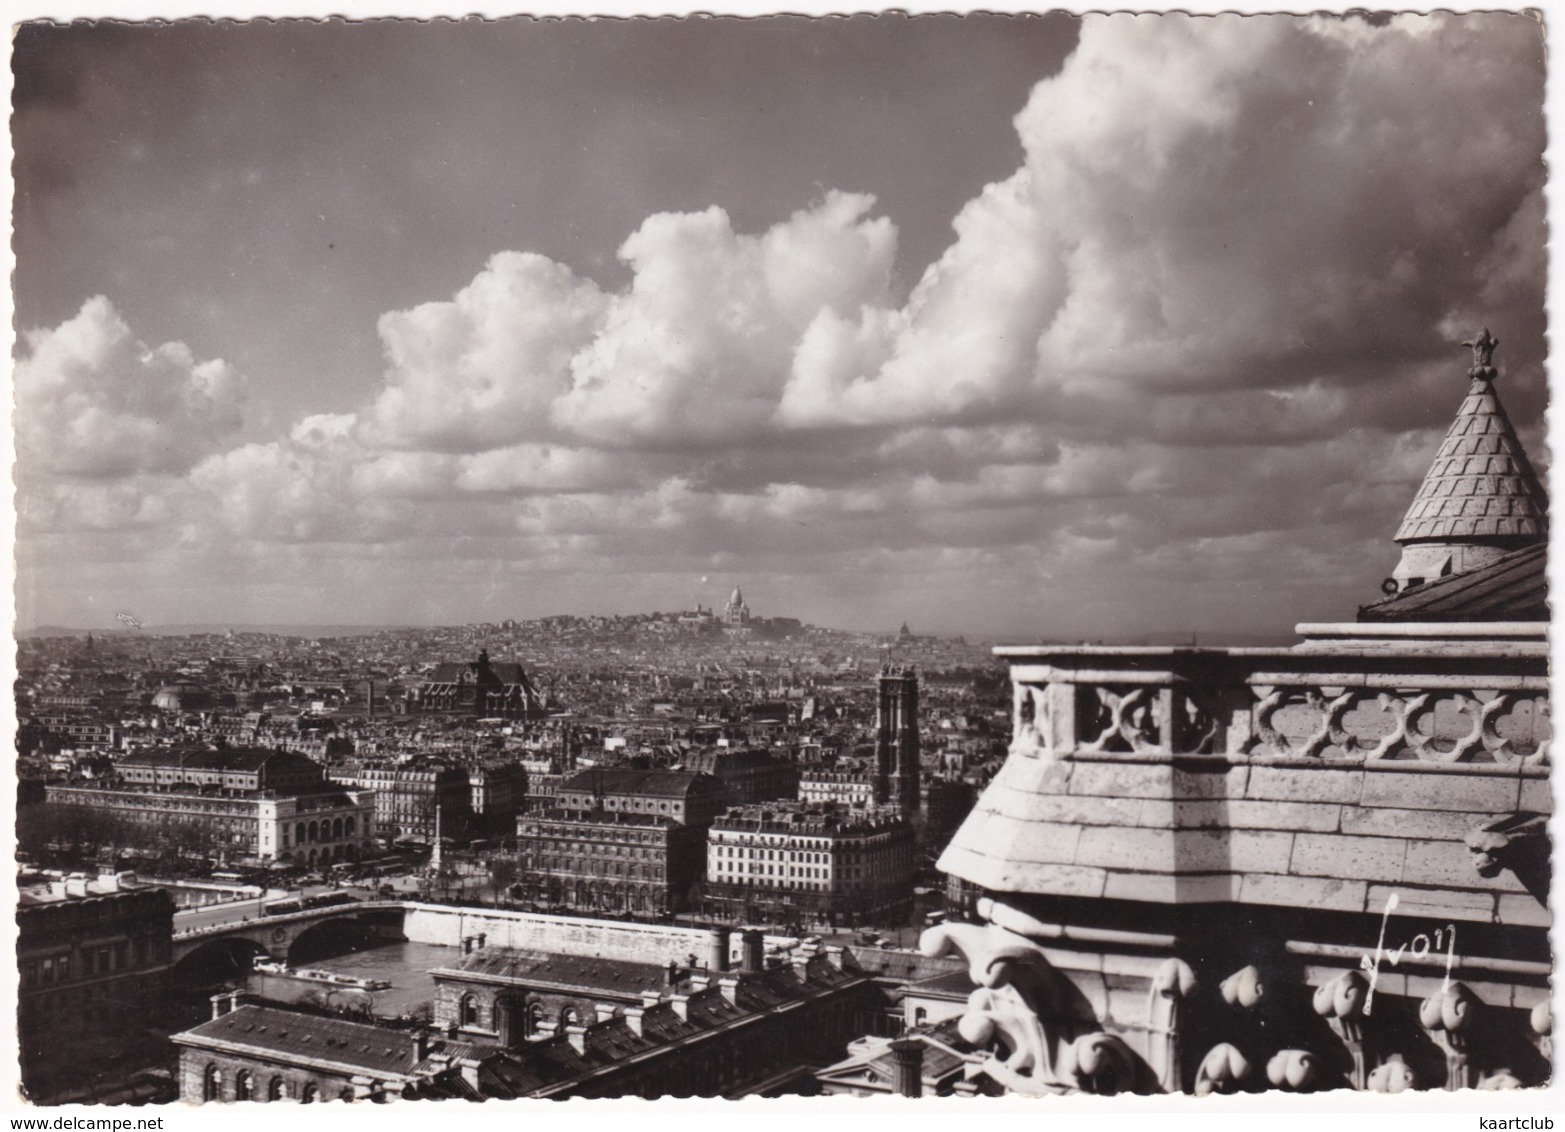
x: 405, y: 965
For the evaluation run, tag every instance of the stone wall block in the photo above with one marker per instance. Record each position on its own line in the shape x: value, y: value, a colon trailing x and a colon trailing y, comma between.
x: 1450, y: 863
x: 1326, y: 893
x: 1352, y: 858
x: 1427, y: 825
x: 1305, y: 784
x: 1316, y: 817
x: 1435, y: 790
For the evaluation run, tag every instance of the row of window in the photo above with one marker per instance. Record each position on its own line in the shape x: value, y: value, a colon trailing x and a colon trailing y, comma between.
x: 246, y: 1086
x: 103, y: 959
x: 593, y: 866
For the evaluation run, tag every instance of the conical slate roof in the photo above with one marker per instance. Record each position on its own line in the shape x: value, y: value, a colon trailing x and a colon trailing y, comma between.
x: 1481, y: 485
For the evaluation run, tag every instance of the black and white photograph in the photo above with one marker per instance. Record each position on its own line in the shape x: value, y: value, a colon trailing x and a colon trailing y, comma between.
x: 991, y: 557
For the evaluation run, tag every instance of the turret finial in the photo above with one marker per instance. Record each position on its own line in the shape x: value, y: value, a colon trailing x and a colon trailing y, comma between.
x: 1483, y: 348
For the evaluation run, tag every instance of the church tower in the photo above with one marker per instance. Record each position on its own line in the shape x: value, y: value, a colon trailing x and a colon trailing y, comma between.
x: 896, y: 740
x: 1480, y: 499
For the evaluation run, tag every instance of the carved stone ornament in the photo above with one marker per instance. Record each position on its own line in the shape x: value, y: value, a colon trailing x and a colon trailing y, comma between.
x: 1503, y: 843
x: 1449, y: 1017
x: 1395, y: 1076
x: 1541, y: 1019
x: 1293, y: 1069
x: 1051, y: 1041
x: 1223, y: 1070
x: 1483, y: 348
x: 1172, y: 986
x: 1341, y: 1003
x: 1244, y: 988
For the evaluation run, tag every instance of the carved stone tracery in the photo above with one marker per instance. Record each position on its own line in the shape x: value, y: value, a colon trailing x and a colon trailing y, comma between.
x: 1041, y: 1037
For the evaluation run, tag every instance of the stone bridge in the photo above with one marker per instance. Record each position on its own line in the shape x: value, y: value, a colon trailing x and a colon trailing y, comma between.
x: 276, y: 935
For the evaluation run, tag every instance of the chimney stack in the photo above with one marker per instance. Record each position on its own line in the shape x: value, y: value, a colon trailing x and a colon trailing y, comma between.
x: 633, y: 1016
x: 420, y: 1044
x: 834, y: 956
x: 729, y: 985
x: 753, y: 944
x: 671, y: 975
x: 649, y: 999
x: 577, y: 1035
x: 681, y: 1005
x: 908, y: 1056
x: 699, y: 981
x: 605, y: 1011
x: 510, y: 1022
x: 718, y: 948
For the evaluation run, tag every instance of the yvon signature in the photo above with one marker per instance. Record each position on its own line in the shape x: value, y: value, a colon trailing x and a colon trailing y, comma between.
x: 1420, y: 946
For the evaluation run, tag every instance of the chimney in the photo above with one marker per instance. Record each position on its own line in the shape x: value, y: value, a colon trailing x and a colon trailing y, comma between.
x: 605, y: 1011
x: 470, y: 1068
x: 632, y: 1018
x: 753, y: 944
x: 650, y: 998
x: 681, y: 1005
x: 420, y: 1044
x: 509, y: 1023
x: 834, y: 956
x: 483, y: 937
x: 729, y: 985
x: 908, y: 1056
x: 717, y: 945
x: 671, y: 975
x: 222, y: 1004
x: 699, y: 981
x: 577, y: 1036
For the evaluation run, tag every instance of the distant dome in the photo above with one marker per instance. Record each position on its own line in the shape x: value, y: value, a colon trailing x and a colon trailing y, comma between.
x: 181, y: 697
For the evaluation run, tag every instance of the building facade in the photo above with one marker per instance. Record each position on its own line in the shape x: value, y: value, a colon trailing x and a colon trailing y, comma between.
x: 840, y: 786
x: 748, y: 776
x: 239, y: 806
x: 608, y: 861
x: 810, y: 863
x: 685, y: 798
x: 92, y: 963
x: 409, y: 798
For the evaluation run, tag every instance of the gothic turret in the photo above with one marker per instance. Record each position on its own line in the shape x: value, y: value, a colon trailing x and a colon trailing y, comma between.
x: 1480, y: 499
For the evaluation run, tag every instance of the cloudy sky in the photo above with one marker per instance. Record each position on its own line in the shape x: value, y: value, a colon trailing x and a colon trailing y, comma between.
x: 1009, y: 327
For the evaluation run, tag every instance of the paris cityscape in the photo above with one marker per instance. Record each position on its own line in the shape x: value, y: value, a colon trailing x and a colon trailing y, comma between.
x: 1074, y: 624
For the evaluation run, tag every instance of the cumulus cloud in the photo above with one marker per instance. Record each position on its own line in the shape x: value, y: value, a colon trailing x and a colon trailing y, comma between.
x: 697, y: 351
x: 1219, y: 204
x: 1205, y: 333
x: 94, y: 402
x: 482, y: 370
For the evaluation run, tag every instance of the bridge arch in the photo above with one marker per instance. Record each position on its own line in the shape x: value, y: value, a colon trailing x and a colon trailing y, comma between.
x: 228, y: 953
x: 350, y: 927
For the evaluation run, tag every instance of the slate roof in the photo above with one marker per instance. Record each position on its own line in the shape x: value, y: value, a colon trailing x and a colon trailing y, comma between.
x: 1516, y: 588
x: 627, y: 780
x: 453, y: 671
x: 903, y: 966
x: 284, y: 1033
x: 1481, y: 485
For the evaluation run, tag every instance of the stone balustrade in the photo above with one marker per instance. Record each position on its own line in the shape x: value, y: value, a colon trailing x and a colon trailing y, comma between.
x: 1291, y: 829
x: 1425, y: 699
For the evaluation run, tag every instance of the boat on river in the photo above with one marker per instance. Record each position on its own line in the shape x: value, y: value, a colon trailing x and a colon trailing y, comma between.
x: 266, y: 966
